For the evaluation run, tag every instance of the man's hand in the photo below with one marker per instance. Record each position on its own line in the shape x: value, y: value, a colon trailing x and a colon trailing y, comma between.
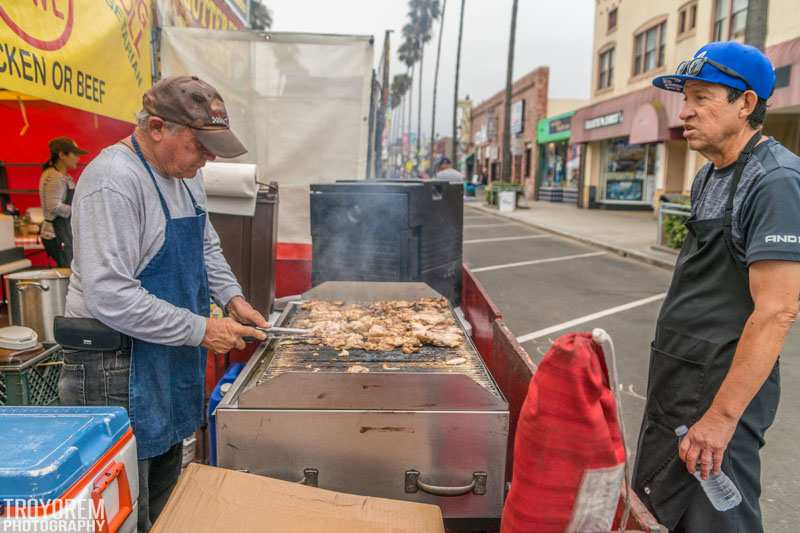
x: 224, y: 334
x: 243, y: 312
x: 705, y: 443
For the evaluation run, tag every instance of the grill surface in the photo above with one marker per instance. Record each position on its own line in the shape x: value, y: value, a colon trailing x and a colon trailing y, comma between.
x: 297, y: 356
x: 285, y: 363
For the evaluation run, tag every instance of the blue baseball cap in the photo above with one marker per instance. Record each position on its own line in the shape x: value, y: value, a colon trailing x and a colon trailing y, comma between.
x: 749, y: 62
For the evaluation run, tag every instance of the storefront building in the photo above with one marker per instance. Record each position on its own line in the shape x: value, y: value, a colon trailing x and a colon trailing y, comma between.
x: 633, y: 147
x: 559, y: 160
x: 528, y: 106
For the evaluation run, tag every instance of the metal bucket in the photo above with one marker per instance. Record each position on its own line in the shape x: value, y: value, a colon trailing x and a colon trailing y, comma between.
x: 36, y: 297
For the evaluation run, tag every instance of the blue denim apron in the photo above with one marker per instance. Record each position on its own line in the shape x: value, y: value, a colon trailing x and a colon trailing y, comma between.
x: 166, y: 382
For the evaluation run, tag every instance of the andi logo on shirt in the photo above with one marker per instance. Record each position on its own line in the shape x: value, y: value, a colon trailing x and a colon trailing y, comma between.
x: 791, y: 239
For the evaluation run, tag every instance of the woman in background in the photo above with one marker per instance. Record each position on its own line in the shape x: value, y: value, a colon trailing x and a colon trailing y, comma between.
x: 56, y: 189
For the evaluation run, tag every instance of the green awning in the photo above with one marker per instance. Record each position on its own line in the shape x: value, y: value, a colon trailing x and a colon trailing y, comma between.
x: 553, y: 129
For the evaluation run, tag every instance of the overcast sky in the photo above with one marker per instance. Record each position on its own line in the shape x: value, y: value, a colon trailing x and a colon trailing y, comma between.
x: 557, y: 34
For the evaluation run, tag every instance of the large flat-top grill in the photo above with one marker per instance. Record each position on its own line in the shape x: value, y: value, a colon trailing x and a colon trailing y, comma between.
x: 434, y: 417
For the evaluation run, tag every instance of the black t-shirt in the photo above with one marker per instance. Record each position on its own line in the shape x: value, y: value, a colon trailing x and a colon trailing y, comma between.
x: 766, y: 207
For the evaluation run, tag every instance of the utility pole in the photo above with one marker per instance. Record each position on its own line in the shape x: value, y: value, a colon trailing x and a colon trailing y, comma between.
x: 755, y: 32
x: 381, y: 122
x: 507, y: 163
x: 455, y: 93
x: 436, y: 82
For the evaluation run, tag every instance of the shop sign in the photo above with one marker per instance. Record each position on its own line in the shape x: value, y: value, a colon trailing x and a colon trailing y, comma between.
x: 491, y: 128
x: 612, y: 119
x: 517, y: 117
x: 480, y: 134
x: 94, y: 56
x: 517, y: 146
x: 559, y: 125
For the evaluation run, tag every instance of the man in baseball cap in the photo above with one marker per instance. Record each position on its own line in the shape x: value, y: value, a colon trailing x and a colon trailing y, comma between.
x: 733, y: 298
x: 191, y: 102
x: 146, y: 264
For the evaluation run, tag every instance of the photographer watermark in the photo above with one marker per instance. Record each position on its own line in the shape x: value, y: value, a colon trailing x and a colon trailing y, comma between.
x: 20, y: 515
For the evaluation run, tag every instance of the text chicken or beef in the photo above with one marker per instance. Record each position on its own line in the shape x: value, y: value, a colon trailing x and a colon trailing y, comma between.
x: 382, y: 326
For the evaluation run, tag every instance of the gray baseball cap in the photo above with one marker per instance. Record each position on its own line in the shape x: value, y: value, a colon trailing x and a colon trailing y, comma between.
x: 190, y: 101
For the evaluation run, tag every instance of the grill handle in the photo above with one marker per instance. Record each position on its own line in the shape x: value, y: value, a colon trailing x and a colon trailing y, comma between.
x: 43, y: 286
x: 310, y: 476
x: 415, y: 484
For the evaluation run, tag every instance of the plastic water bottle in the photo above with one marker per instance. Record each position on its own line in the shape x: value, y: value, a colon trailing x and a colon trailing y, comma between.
x: 721, y: 491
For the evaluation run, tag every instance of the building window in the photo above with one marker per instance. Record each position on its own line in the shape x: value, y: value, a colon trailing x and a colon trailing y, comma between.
x: 687, y: 18
x: 612, y: 20
x: 606, y: 70
x: 730, y: 19
x: 648, y: 49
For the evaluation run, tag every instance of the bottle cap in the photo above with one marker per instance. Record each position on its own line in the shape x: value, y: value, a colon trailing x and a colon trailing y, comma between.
x: 681, y: 431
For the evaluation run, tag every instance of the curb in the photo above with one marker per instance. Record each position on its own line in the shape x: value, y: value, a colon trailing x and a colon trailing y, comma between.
x: 623, y: 252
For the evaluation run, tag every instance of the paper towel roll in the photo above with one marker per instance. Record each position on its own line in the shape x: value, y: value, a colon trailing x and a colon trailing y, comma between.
x: 231, y: 188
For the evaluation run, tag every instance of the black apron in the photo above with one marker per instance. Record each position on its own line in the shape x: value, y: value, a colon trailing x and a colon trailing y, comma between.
x: 696, y: 336
x: 63, y: 230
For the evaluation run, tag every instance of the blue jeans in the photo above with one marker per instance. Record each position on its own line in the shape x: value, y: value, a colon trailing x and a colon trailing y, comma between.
x: 101, y: 378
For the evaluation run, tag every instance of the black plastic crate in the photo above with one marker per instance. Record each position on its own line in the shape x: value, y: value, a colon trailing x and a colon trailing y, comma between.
x: 33, y: 381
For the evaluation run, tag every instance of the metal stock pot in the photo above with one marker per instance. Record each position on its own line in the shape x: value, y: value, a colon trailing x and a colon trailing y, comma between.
x: 36, y: 297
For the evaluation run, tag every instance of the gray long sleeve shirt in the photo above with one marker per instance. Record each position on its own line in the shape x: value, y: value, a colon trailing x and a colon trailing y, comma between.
x: 118, y: 227
x: 53, y: 187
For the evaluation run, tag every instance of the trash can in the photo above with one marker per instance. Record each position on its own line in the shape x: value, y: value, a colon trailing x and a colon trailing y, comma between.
x: 507, y: 201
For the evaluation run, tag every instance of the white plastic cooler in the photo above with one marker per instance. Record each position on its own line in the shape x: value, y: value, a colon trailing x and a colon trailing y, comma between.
x: 67, y: 469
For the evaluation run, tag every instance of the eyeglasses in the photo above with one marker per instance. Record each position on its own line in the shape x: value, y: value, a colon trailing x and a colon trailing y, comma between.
x: 692, y: 67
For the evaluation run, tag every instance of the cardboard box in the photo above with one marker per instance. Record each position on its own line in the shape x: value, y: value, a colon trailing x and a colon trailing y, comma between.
x: 215, y: 499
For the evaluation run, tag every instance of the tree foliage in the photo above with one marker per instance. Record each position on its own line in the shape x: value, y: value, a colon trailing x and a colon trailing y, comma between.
x: 260, y: 16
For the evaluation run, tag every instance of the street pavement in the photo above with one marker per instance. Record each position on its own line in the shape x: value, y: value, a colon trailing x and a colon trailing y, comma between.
x: 546, y: 285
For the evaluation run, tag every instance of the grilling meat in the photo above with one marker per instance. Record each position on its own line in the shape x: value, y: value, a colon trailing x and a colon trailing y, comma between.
x: 382, y: 326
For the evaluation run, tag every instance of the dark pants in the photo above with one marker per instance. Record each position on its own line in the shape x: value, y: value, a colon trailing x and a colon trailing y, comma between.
x: 743, y: 464
x: 101, y: 378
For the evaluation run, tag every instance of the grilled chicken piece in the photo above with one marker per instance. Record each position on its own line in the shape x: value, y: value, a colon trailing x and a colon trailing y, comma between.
x: 382, y: 326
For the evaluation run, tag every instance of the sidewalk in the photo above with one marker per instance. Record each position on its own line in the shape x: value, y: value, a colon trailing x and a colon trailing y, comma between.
x: 627, y: 233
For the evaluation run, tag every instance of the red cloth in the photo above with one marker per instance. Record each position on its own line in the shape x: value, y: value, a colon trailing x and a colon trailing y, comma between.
x: 568, y: 424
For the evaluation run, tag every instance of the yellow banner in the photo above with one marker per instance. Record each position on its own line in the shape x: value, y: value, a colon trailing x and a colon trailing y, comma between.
x: 208, y: 14
x: 94, y: 55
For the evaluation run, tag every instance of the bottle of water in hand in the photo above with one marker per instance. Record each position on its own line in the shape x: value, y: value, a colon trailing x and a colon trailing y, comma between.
x: 719, y: 488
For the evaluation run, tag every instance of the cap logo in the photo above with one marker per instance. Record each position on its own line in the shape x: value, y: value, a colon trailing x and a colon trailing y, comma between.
x: 218, y: 115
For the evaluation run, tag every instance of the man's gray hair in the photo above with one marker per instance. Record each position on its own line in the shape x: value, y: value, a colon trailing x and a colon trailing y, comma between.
x: 143, y: 122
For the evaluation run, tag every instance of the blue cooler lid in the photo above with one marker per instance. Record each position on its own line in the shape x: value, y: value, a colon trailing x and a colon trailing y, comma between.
x: 45, y: 450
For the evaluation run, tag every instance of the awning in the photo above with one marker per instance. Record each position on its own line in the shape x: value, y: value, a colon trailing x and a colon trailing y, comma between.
x: 554, y: 129
x: 645, y: 115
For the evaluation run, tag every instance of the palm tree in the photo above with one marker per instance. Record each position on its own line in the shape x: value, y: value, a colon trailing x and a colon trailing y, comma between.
x: 455, y: 93
x: 408, y: 54
x: 436, y: 81
x: 399, y: 89
x: 507, y: 164
x: 422, y: 13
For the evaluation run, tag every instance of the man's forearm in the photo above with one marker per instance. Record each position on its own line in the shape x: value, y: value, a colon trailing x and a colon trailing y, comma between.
x: 759, y: 347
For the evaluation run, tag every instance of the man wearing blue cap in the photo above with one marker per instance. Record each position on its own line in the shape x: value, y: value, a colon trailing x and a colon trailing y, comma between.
x: 733, y: 298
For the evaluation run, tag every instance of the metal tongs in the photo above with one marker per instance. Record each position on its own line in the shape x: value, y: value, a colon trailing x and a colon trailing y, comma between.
x: 280, y: 333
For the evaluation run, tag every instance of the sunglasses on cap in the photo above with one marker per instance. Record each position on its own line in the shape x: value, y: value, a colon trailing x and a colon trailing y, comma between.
x: 692, y: 67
